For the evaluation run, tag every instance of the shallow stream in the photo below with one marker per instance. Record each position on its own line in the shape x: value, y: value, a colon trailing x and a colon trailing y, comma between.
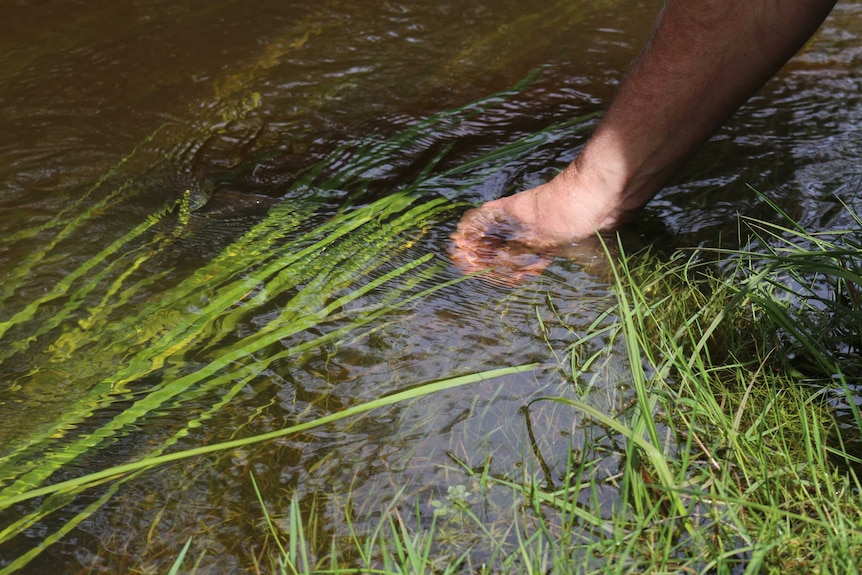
x: 111, y: 111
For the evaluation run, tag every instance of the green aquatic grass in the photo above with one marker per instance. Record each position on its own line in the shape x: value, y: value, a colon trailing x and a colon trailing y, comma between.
x: 729, y: 458
x: 143, y: 344
x: 70, y: 219
x: 732, y: 459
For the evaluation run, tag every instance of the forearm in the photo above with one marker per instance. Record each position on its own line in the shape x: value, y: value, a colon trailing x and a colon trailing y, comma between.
x: 706, y: 58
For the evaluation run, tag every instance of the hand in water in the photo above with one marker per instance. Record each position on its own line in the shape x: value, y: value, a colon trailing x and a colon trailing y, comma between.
x: 490, y: 239
x: 698, y: 68
x: 520, y: 235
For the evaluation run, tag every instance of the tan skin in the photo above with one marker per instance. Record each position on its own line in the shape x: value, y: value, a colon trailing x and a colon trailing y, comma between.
x: 704, y: 60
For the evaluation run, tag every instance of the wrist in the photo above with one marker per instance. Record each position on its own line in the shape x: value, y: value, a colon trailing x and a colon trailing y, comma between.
x: 610, y: 181
x: 599, y: 194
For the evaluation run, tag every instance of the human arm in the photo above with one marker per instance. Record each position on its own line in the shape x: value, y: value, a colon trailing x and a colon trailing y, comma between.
x: 704, y: 60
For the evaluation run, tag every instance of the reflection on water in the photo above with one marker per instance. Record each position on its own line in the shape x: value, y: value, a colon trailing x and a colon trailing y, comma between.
x: 237, y: 103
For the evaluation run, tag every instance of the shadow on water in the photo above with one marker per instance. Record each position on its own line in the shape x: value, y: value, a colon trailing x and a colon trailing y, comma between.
x: 227, y: 109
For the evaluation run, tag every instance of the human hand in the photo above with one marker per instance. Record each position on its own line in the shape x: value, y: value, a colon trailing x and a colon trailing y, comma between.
x: 488, y: 239
x: 518, y: 236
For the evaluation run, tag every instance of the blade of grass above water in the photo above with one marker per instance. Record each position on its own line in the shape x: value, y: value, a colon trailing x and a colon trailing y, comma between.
x: 392, y: 399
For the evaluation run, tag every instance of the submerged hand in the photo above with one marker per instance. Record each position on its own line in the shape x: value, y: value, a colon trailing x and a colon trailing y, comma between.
x: 490, y: 239
x: 519, y: 235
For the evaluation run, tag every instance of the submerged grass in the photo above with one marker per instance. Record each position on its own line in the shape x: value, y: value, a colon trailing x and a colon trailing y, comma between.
x: 738, y: 451
x: 739, y: 447
x: 143, y: 344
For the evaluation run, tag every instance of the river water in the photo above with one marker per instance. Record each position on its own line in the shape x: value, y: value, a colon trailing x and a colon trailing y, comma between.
x: 232, y: 103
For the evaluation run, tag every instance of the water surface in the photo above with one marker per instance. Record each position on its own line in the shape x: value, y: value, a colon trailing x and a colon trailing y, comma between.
x: 148, y: 100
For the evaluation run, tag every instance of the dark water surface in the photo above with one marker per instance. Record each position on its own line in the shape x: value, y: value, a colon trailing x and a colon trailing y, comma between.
x: 231, y: 102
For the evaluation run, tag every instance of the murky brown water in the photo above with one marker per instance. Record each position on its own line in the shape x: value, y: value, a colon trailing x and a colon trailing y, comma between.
x: 246, y: 97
